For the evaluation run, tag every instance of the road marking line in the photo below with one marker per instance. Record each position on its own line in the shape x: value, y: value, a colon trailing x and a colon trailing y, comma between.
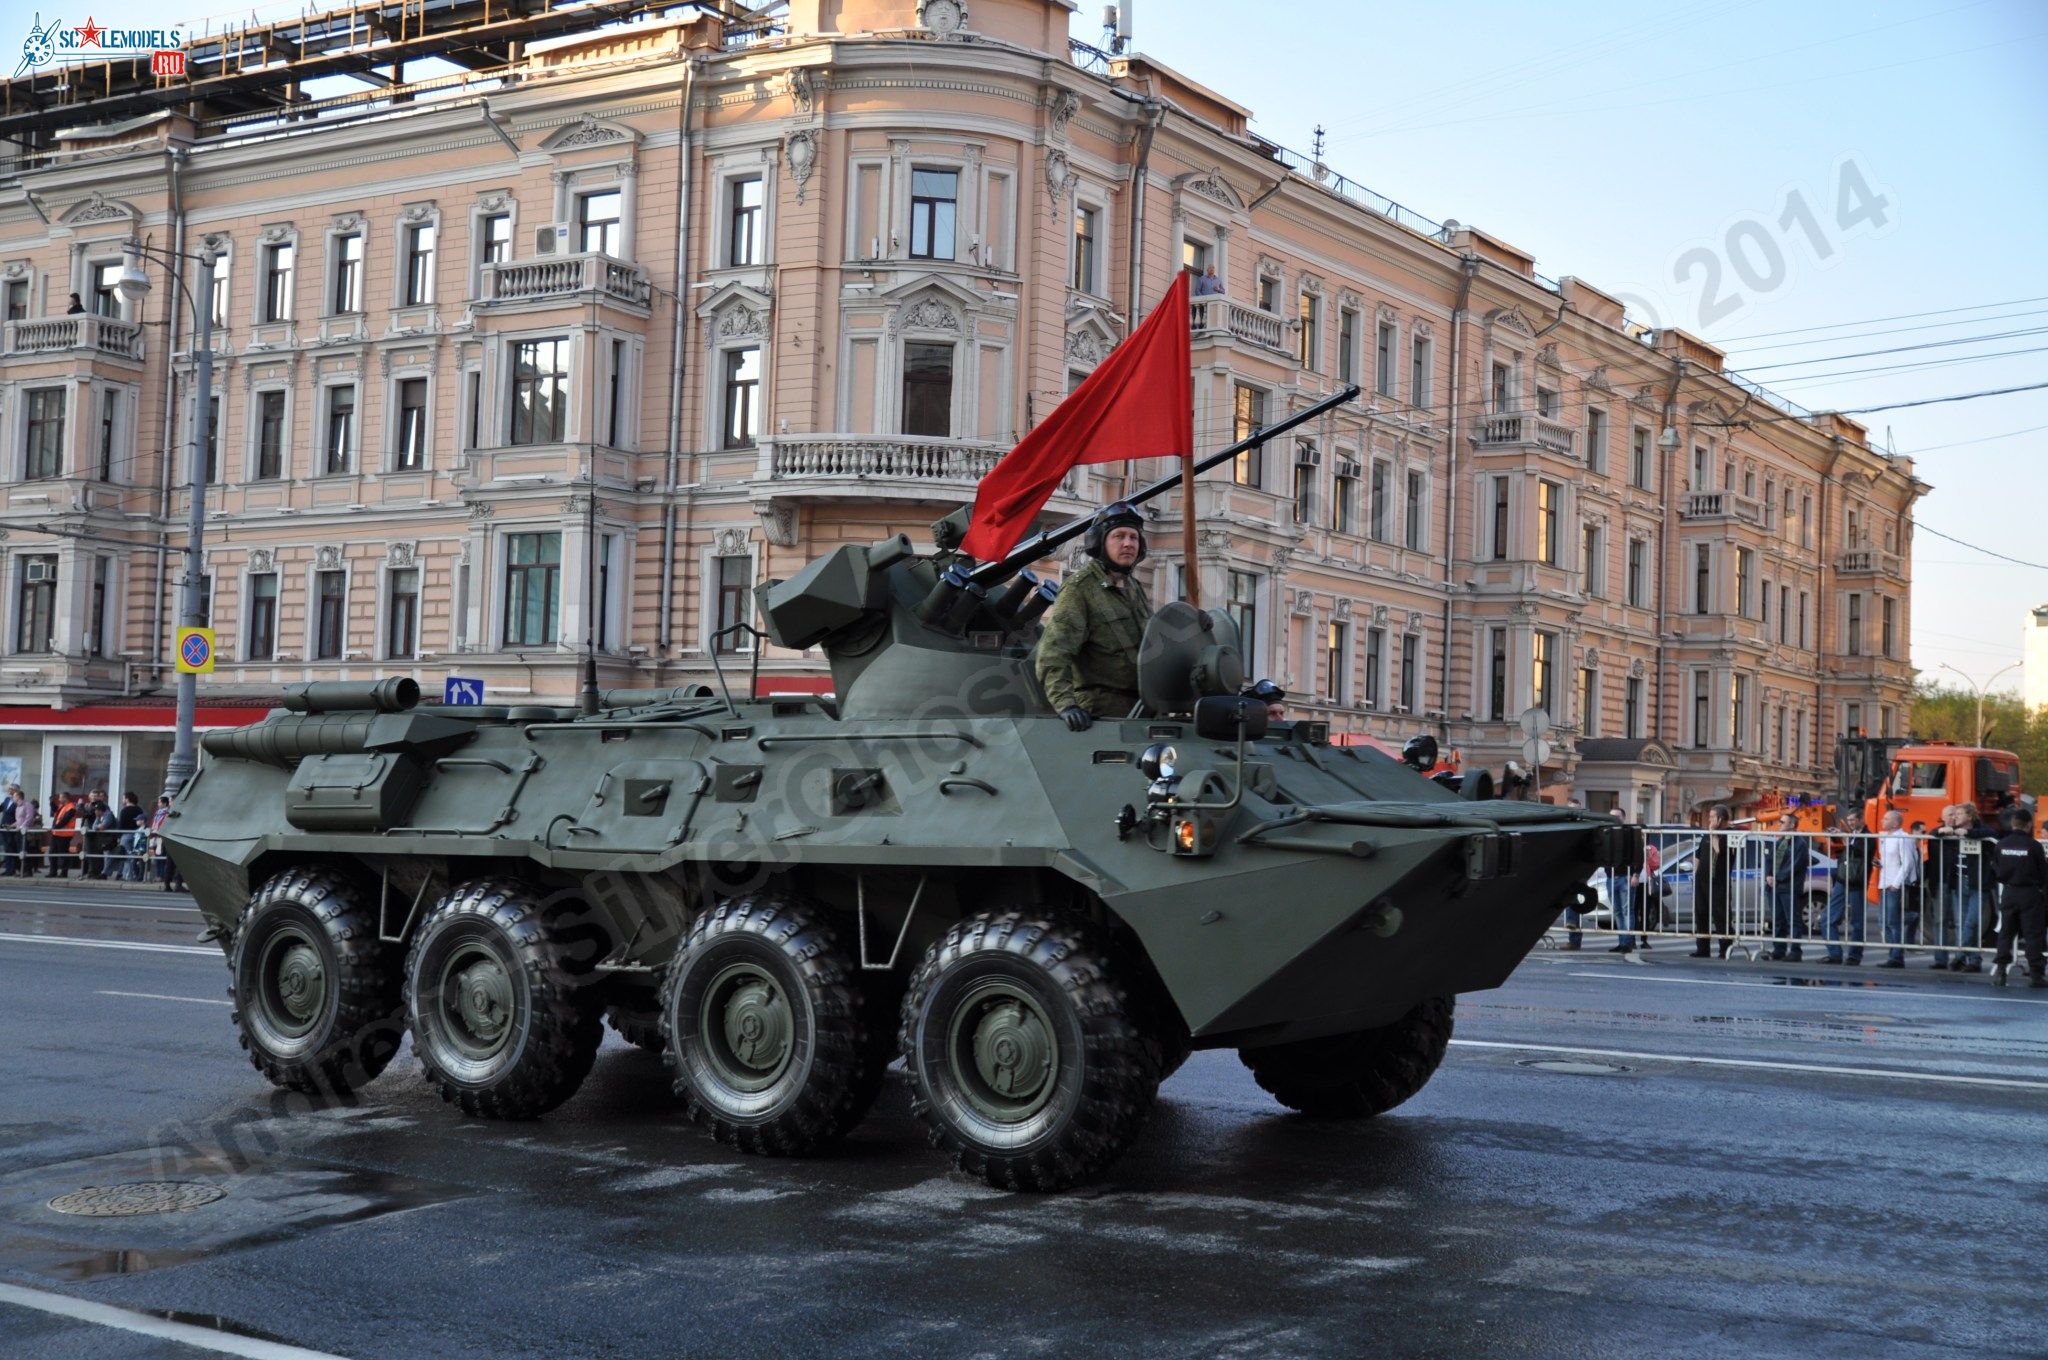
x: 111, y: 944
x: 163, y: 1329
x: 159, y: 996
x: 9, y: 900
x: 1943, y: 1078
x: 1783, y: 987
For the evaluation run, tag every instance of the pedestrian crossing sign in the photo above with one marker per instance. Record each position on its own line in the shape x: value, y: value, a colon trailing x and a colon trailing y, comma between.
x: 195, y: 651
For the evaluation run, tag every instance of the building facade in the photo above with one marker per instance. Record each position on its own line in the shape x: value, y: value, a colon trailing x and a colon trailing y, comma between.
x: 567, y: 356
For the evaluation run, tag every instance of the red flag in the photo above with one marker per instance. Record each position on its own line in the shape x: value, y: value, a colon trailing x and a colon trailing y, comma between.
x: 1139, y: 403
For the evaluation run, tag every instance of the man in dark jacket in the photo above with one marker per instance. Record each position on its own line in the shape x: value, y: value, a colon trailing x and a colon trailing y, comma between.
x: 2022, y: 873
x: 1087, y: 658
x: 1846, y: 889
x: 1791, y: 858
x: 1710, y: 884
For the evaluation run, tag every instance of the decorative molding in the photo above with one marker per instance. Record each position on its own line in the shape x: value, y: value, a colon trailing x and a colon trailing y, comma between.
x: 927, y: 313
x: 1637, y: 669
x: 729, y: 543
x: 1511, y: 319
x: 1350, y: 299
x: 348, y: 221
x: 1547, y: 356
x: 262, y: 560
x: 1597, y: 380
x: 327, y: 557
x: 401, y: 554
x: 277, y: 233
x: 1211, y: 185
x: 1270, y: 268
x: 1059, y: 179
x: 943, y: 19
x: 778, y: 523
x: 497, y: 200
x: 1379, y: 614
x: 802, y: 90
x: 741, y: 321
x: 588, y: 130
x: 95, y: 208
x: 1414, y: 621
x: 414, y: 213
x: 1342, y: 609
x: 15, y: 269
x: 1060, y: 111
x: 216, y: 241
x: 1312, y: 284
x: 801, y: 150
x: 481, y: 510
x: 1085, y: 347
x: 1304, y: 603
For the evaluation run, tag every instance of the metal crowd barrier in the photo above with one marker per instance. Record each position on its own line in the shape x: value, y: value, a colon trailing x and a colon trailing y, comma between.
x: 1772, y: 894
x: 121, y: 856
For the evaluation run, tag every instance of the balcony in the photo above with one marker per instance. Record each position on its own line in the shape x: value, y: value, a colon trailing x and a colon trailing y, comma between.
x: 107, y: 335
x: 563, y: 277
x: 1525, y: 429
x: 884, y: 466
x: 1869, y: 562
x: 1706, y: 506
x: 1220, y: 318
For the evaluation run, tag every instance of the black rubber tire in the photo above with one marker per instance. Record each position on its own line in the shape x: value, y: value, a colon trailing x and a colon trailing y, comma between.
x: 831, y: 1071
x: 1355, y: 1076
x: 552, y: 1032
x: 359, y: 1030
x: 634, y: 1014
x: 1106, y: 1076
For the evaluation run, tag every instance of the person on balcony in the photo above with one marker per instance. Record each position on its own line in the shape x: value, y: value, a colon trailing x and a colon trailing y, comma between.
x: 76, y: 308
x: 1207, y: 284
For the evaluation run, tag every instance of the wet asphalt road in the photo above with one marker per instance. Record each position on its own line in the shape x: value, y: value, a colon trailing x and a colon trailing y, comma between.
x: 1762, y: 1160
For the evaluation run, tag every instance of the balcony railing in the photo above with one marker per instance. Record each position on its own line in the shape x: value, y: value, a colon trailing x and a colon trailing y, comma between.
x: 1868, y: 562
x: 566, y: 276
x: 1526, y: 427
x: 1215, y: 316
x: 885, y: 459
x: 83, y: 330
x: 1721, y: 505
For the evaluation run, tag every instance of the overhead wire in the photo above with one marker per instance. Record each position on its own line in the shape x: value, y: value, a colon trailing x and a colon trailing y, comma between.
x: 1733, y: 348
x: 1876, y: 320
x: 1899, y: 349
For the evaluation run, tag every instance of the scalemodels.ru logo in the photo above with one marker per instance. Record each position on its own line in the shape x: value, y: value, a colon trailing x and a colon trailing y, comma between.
x: 56, y: 44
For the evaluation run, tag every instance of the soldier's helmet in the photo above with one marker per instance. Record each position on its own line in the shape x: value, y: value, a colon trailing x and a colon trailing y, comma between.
x: 1119, y: 515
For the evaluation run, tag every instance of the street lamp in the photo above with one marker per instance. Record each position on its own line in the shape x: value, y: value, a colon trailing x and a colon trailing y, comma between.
x: 1980, y: 689
x: 134, y: 285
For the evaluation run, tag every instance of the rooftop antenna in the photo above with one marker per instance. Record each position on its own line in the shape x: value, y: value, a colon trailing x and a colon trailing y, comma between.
x: 1320, y: 170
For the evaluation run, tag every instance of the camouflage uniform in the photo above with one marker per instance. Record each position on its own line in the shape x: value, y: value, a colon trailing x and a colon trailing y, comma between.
x: 1088, y: 655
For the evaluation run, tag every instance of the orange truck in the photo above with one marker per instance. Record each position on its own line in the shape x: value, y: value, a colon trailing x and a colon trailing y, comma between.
x: 1930, y: 775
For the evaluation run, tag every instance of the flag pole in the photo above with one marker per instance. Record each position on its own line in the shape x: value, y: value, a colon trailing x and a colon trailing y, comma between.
x: 1187, y: 529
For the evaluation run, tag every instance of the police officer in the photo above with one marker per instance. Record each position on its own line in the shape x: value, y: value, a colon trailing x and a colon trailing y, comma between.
x: 1087, y: 657
x: 2022, y: 873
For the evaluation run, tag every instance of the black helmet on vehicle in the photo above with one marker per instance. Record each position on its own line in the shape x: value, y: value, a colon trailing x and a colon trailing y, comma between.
x: 1265, y: 691
x: 1120, y: 515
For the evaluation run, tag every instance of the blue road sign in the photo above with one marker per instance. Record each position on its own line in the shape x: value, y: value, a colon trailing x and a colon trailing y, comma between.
x: 461, y: 689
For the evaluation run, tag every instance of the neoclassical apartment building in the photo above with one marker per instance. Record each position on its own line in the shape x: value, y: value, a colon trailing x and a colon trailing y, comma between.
x: 572, y: 352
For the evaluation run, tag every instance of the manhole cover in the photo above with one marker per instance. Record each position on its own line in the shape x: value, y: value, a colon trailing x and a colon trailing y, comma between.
x: 1573, y: 1067
x: 137, y: 1197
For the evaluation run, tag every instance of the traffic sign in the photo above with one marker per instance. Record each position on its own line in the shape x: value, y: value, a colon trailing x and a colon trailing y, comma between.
x: 195, y: 651
x: 1535, y: 751
x: 1535, y: 721
x: 462, y: 689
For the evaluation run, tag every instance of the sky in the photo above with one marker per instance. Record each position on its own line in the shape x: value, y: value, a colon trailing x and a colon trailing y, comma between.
x: 1803, y: 184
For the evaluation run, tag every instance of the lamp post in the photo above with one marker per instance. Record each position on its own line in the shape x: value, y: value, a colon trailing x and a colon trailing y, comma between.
x: 134, y: 285
x: 1980, y: 689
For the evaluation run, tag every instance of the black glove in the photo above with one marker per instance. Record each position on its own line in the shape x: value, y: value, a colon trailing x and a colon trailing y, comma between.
x: 1077, y: 718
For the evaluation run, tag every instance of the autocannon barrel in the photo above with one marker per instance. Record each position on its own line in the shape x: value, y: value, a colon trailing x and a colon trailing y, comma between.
x: 392, y: 695
x: 284, y: 741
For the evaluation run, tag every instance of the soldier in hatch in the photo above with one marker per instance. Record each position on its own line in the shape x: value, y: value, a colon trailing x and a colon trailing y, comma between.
x: 1087, y: 659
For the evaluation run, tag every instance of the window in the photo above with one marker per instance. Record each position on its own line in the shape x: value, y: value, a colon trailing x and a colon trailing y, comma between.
x: 1305, y: 485
x: 1702, y: 710
x: 212, y: 440
x: 1699, y: 469
x: 1419, y: 352
x: 615, y: 397
x: 606, y: 543
x: 278, y: 263
x: 540, y: 392
x: 259, y: 639
x: 1745, y: 566
x: 1738, y: 711
x: 1383, y: 360
x: 1778, y: 736
x: 1345, y: 520
x: 1589, y: 702
x: 35, y: 602
x: 110, y: 410
x: 472, y: 407
x: 735, y: 576
x: 934, y: 205
x: 1806, y: 521
x: 598, y: 227
x: 402, y: 616
x: 1248, y: 417
x: 1543, y: 672
x: 17, y: 300
x: 1417, y: 533
x: 1087, y: 234
x: 1549, y: 530
x: 494, y: 238
x: 1411, y: 659
x: 1853, y: 628
x: 743, y: 228
x: 1502, y: 391
x: 341, y: 428
x: 1546, y: 402
x: 1763, y: 601
x: 1889, y: 624
x: 1702, y: 579
x: 218, y: 292
x: 1376, y: 505
x: 927, y: 389
x: 345, y: 288
x: 1375, y: 665
x: 1852, y: 720
x: 1243, y: 605
x: 1634, y: 585
x: 742, y: 399
x: 1632, y: 707
x: 410, y: 453
x: 419, y: 265
x: 1593, y: 553
x: 1308, y: 315
x: 269, y: 436
x: 1497, y: 674
x: 1639, y: 458
x: 1347, y: 345
x: 102, y: 297
x: 1196, y: 255
x: 330, y: 614
x: 533, y: 579
x: 1269, y: 293
x: 1784, y: 613
x: 1497, y: 545
x: 1596, y: 440
x: 1336, y: 662
x: 1802, y: 618
x: 43, y: 434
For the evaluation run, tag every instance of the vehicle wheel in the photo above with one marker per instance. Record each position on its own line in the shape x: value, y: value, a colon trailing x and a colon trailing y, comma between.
x: 1354, y: 1076
x: 769, y: 1030
x: 635, y: 1016
x: 316, y: 992
x: 1028, y: 1056
x: 498, y: 1021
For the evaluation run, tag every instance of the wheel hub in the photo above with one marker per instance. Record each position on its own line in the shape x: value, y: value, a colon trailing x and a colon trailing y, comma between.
x: 292, y: 983
x: 1006, y: 1053
x: 477, y: 1000
x: 750, y: 1026
x: 299, y: 978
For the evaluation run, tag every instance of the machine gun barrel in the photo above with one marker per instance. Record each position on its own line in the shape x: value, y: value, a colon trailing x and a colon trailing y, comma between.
x: 1038, y: 545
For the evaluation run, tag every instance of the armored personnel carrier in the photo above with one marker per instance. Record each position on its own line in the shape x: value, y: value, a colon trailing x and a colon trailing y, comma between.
x: 783, y: 896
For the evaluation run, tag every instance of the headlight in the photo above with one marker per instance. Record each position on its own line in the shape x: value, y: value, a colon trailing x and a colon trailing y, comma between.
x: 1158, y: 760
